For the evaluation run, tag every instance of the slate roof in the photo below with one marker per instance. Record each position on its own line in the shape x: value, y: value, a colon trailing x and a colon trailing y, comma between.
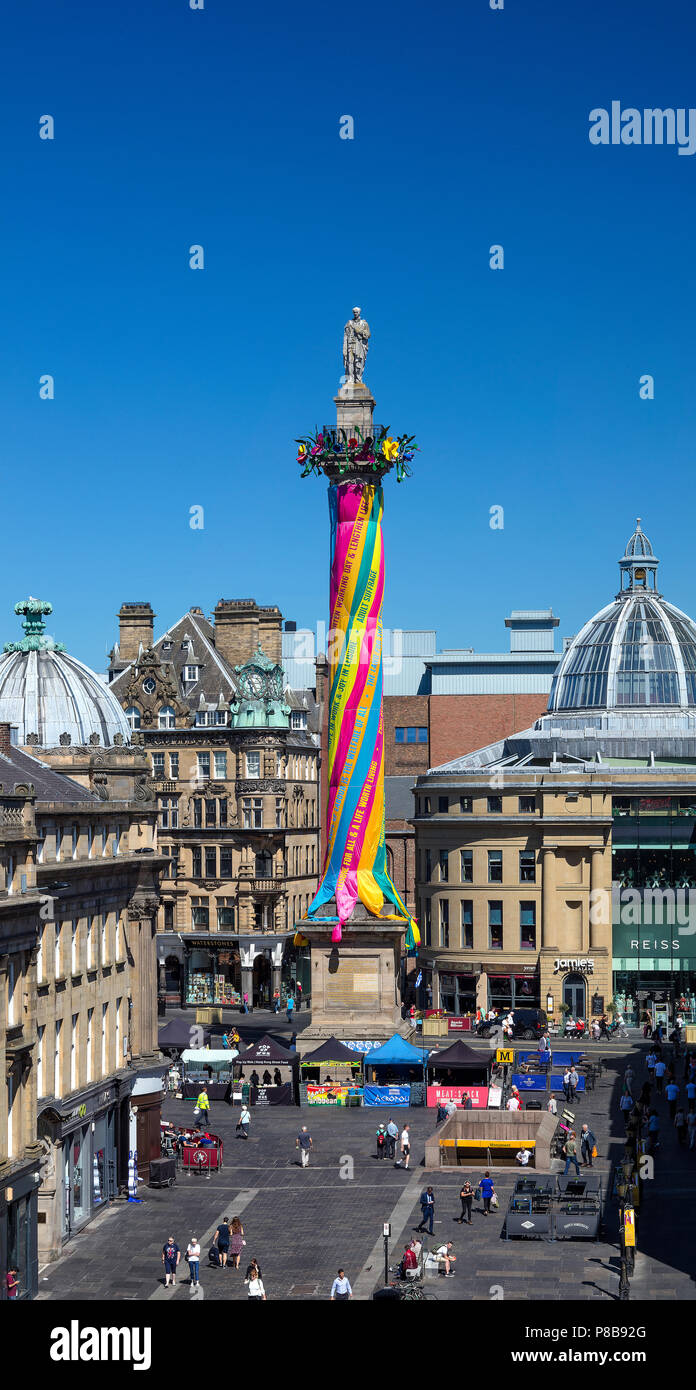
x: 18, y: 767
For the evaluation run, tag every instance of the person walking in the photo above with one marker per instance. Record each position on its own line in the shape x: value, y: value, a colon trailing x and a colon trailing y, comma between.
x: 276, y: 1001
x: 691, y: 1127
x: 193, y: 1255
x: 427, y: 1206
x: 403, y: 1162
x: 650, y: 1061
x: 290, y: 1007
x: 465, y: 1196
x: 487, y: 1191
x: 587, y: 1144
x: 672, y: 1094
x: 551, y: 1105
x: 304, y: 1144
x: 203, y: 1108
x: 691, y: 1095
x: 171, y: 1254
x: 340, y: 1289
x: 254, y: 1283
x: 392, y: 1136
x: 237, y: 1241
x: 568, y: 1085
x: 653, y: 1131
x: 244, y: 1120
x: 570, y: 1149
x: 628, y: 1079
x: 222, y: 1240
x: 660, y: 1069
x: 381, y: 1142
x: 680, y: 1125
x: 298, y: 996
x: 626, y: 1105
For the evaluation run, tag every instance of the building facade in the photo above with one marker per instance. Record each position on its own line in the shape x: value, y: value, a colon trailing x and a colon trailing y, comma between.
x: 554, y: 864
x: 235, y: 759
x: 78, y: 981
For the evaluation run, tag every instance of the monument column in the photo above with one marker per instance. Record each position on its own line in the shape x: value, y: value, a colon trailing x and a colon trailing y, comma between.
x: 357, y: 921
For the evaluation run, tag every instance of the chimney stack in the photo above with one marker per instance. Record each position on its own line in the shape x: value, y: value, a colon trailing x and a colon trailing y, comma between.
x: 5, y: 738
x: 136, y: 625
x: 241, y: 626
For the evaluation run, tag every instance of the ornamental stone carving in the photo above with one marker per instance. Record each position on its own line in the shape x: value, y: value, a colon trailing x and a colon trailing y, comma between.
x: 249, y: 785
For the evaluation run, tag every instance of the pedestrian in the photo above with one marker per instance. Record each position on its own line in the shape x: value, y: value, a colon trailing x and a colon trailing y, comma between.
x: 691, y: 1095
x: 290, y: 1005
x: 409, y: 1260
x: 445, y: 1253
x: 650, y: 1061
x: 672, y: 1094
x: 222, y: 1240
x: 403, y: 1162
x: 513, y: 1103
x: 171, y: 1254
x: 680, y: 1125
x: 465, y: 1196
x: 568, y: 1089
x: 660, y: 1069
x: 570, y: 1149
x: 587, y: 1144
x: 653, y: 1131
x: 254, y: 1282
x: 340, y: 1289
x: 691, y: 1126
x: 551, y: 1105
x: 626, y: 1105
x: 193, y: 1255
x: 12, y: 1283
x: 244, y: 1120
x: 276, y: 1001
x: 381, y: 1142
x: 522, y: 1157
x: 202, y: 1111
x: 304, y: 1144
x: 427, y: 1206
x: 298, y: 996
x: 628, y: 1079
x: 487, y: 1191
x: 237, y: 1241
x: 392, y: 1136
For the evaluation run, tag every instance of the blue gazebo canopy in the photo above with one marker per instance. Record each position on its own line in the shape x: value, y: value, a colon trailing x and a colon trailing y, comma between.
x: 395, y: 1052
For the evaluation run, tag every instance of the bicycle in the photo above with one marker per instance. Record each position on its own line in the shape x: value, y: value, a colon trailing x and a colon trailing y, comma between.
x: 415, y: 1293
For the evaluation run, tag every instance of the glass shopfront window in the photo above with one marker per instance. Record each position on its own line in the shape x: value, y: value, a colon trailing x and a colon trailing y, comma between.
x: 19, y: 1223
x: 654, y: 842
x: 513, y: 991
x: 77, y: 1179
x: 104, y: 1159
x: 458, y: 994
x: 200, y: 987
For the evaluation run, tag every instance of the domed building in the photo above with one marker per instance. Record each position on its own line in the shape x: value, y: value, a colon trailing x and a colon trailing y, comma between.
x: 50, y: 697
x: 559, y: 871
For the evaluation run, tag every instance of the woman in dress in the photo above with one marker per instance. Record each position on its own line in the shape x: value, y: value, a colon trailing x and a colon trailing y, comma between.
x: 237, y: 1241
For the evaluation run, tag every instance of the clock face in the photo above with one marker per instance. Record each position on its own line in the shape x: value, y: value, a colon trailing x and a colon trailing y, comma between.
x: 255, y: 681
x: 149, y: 686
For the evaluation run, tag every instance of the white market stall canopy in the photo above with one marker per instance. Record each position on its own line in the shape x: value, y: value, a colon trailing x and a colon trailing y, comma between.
x: 205, y: 1056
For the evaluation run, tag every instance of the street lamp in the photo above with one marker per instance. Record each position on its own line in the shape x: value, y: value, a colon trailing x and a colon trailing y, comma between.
x: 386, y: 1232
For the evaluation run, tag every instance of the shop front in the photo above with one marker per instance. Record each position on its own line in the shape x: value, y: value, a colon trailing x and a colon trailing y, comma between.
x: 212, y: 972
x: 513, y: 986
x: 18, y: 1229
x: 81, y: 1168
x: 654, y: 972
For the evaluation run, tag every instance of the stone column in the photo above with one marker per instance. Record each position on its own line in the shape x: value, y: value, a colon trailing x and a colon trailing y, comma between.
x: 548, y: 895
x: 599, y: 915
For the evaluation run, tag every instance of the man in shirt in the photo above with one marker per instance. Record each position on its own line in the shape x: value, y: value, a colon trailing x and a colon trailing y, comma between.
x: 203, y: 1105
x: 445, y: 1253
x: 523, y: 1156
x: 626, y: 1106
x: 222, y: 1240
x: 393, y: 1134
x: 570, y: 1150
x: 304, y: 1144
x: 244, y: 1120
x: 660, y: 1069
x: 340, y: 1289
x: 568, y: 1085
x: 513, y: 1103
x: 171, y: 1255
x: 405, y: 1147
x: 427, y: 1205
x: 691, y: 1095
x: 672, y: 1094
x: 587, y: 1143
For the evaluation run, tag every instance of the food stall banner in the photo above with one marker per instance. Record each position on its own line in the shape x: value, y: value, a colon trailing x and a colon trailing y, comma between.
x: 387, y: 1095
x: 330, y: 1095
x: 478, y: 1095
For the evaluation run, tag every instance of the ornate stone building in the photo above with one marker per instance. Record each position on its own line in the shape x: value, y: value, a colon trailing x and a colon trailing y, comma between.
x: 235, y: 761
x: 78, y: 983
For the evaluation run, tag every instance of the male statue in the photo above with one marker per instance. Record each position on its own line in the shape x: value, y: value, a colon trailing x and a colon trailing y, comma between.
x: 355, y: 336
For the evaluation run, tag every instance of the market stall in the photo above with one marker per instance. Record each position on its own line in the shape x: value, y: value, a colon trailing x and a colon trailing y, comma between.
x: 269, y: 1071
x: 332, y: 1074
x: 390, y: 1072
x: 179, y: 1034
x: 460, y: 1074
x: 202, y: 1066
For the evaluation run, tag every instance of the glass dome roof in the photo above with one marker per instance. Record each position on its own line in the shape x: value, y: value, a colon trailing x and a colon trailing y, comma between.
x: 637, y: 653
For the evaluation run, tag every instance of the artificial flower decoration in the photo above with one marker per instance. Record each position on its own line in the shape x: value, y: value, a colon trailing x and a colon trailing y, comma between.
x: 329, y: 446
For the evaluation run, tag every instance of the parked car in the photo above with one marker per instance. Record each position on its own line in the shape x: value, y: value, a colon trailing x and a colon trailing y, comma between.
x: 526, y: 1023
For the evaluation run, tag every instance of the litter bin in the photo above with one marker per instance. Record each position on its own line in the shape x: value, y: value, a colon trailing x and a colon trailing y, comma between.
x: 533, y: 1105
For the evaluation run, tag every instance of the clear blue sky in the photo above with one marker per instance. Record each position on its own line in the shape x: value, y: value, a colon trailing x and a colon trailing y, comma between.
x: 175, y: 387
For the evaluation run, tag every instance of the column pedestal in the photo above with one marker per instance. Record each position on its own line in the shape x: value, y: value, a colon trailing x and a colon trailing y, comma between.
x: 355, y: 986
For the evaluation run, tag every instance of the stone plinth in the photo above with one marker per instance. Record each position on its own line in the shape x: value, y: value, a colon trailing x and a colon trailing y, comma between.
x: 355, y: 984
x: 354, y: 407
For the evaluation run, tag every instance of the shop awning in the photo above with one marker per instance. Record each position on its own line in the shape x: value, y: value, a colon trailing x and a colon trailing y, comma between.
x: 332, y: 1053
x: 205, y: 1056
x: 396, y: 1052
x: 268, y: 1050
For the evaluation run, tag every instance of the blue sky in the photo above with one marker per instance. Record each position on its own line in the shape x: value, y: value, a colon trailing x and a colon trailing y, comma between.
x: 176, y: 387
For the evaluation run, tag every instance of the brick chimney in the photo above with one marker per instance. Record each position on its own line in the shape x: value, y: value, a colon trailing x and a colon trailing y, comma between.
x: 5, y: 738
x: 136, y: 625
x: 241, y: 626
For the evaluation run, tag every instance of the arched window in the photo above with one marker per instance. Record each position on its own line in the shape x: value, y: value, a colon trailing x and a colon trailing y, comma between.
x: 133, y: 717
x: 167, y: 717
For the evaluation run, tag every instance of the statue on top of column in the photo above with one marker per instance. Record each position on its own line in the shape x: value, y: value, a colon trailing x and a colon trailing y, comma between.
x: 355, y: 345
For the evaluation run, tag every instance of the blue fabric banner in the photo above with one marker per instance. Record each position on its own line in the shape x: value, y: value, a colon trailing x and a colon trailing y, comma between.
x: 556, y: 1083
x: 524, y: 1082
x: 386, y: 1095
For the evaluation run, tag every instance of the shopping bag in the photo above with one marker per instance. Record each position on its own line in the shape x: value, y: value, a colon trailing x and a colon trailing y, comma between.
x: 196, y: 1112
x: 494, y: 1201
x: 594, y: 1151
x: 477, y: 1194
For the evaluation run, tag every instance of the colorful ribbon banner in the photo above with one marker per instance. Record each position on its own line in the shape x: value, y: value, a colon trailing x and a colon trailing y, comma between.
x: 355, y: 865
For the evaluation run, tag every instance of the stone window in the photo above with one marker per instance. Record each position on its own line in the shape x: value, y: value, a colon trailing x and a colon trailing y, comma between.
x: 174, y: 766
x: 527, y: 804
x: 223, y: 810
x: 197, y: 867
x: 225, y: 863
x: 203, y: 767
x: 133, y: 717
x: 210, y: 861
x: 220, y: 767
x: 466, y: 865
x: 167, y: 718
x: 495, y: 805
x: 158, y: 766
x: 527, y: 866
x: 466, y: 805
x: 495, y: 926
x: 442, y: 805
x: 200, y: 912
x: 495, y: 866
x: 411, y: 734
x: 528, y: 926
x: 467, y: 924
x: 253, y: 764
x: 210, y: 811
x: 444, y: 922
x: 444, y: 866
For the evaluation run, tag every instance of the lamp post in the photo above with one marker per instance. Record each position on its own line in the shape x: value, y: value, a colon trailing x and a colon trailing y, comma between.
x: 386, y: 1232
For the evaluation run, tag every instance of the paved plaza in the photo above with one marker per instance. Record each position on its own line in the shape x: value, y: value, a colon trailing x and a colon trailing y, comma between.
x: 302, y: 1224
